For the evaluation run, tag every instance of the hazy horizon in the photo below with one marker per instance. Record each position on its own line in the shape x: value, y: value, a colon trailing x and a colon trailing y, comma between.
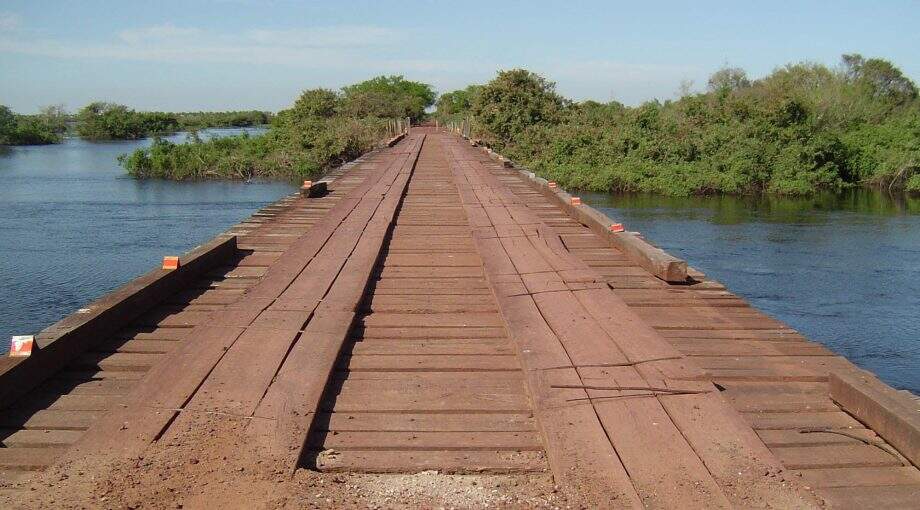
x: 242, y: 55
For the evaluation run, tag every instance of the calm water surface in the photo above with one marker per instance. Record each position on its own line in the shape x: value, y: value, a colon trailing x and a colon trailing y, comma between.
x: 74, y: 226
x: 842, y: 269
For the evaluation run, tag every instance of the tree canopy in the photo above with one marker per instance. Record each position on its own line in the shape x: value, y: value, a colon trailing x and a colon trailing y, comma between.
x: 109, y: 121
x: 388, y: 96
x: 515, y: 100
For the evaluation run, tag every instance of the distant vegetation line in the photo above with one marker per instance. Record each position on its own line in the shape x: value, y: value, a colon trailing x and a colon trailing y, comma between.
x: 109, y: 121
x: 805, y: 127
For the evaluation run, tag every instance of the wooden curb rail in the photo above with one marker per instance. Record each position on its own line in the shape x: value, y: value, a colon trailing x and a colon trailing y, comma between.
x: 653, y: 259
x: 892, y: 414
x: 66, y: 339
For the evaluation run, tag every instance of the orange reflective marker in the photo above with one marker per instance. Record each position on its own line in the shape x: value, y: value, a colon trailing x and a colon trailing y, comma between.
x: 551, y: 184
x: 170, y: 263
x: 617, y: 227
x: 576, y: 201
x: 21, y: 346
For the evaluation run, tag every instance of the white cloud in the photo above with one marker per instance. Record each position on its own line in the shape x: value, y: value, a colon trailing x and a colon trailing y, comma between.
x: 349, y: 51
x: 9, y: 21
x: 326, y: 37
x: 158, y: 33
x: 307, y: 47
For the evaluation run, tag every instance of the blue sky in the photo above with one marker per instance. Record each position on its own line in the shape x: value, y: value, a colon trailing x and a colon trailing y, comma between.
x: 241, y: 54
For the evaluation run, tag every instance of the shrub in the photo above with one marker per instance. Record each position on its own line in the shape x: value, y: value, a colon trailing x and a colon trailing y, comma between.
x: 110, y: 121
x: 321, y: 129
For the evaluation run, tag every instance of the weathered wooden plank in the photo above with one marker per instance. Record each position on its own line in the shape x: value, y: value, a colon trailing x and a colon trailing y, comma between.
x: 435, y: 440
x: 424, y: 460
x: 292, y: 401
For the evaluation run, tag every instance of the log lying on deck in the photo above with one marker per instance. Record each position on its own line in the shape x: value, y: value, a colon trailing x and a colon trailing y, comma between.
x: 393, y: 141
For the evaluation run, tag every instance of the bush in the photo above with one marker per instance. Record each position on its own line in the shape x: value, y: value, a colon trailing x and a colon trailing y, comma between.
x: 203, y: 120
x: 109, y: 121
x: 321, y: 129
x: 45, y: 128
x: 515, y: 100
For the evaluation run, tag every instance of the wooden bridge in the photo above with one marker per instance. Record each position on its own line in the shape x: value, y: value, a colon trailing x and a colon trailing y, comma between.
x: 439, y: 309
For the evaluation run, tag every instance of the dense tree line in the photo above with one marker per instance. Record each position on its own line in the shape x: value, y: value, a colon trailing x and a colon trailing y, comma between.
x: 322, y: 128
x: 203, y: 120
x: 804, y: 127
x: 109, y: 121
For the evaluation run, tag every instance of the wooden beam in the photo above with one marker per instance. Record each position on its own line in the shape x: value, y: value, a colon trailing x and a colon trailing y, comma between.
x: 66, y: 339
x: 891, y: 414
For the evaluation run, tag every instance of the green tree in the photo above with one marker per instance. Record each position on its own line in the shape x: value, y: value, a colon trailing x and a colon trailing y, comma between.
x: 7, y: 124
x: 880, y: 77
x: 55, y: 117
x: 34, y: 130
x: 513, y: 102
x: 316, y: 103
x: 457, y: 102
x: 110, y: 121
x: 388, y: 96
x: 302, y: 141
x: 803, y: 128
x: 728, y: 79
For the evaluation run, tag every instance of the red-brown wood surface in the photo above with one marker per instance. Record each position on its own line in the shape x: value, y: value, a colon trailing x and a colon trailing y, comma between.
x: 771, y: 374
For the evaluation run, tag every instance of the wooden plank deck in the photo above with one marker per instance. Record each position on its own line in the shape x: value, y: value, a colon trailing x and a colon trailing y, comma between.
x: 772, y: 375
x: 437, y: 311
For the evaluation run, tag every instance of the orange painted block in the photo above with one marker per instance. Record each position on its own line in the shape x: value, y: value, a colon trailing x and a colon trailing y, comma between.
x: 617, y: 227
x: 170, y: 263
x: 21, y: 346
x: 576, y: 201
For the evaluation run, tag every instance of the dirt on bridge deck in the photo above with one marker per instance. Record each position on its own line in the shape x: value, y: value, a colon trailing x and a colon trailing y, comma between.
x: 436, y: 332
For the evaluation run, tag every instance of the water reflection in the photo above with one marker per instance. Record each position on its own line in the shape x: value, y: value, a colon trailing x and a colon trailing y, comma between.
x: 843, y: 269
x: 730, y: 210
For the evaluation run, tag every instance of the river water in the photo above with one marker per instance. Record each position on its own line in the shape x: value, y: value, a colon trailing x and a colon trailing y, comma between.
x: 842, y: 269
x: 75, y: 226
